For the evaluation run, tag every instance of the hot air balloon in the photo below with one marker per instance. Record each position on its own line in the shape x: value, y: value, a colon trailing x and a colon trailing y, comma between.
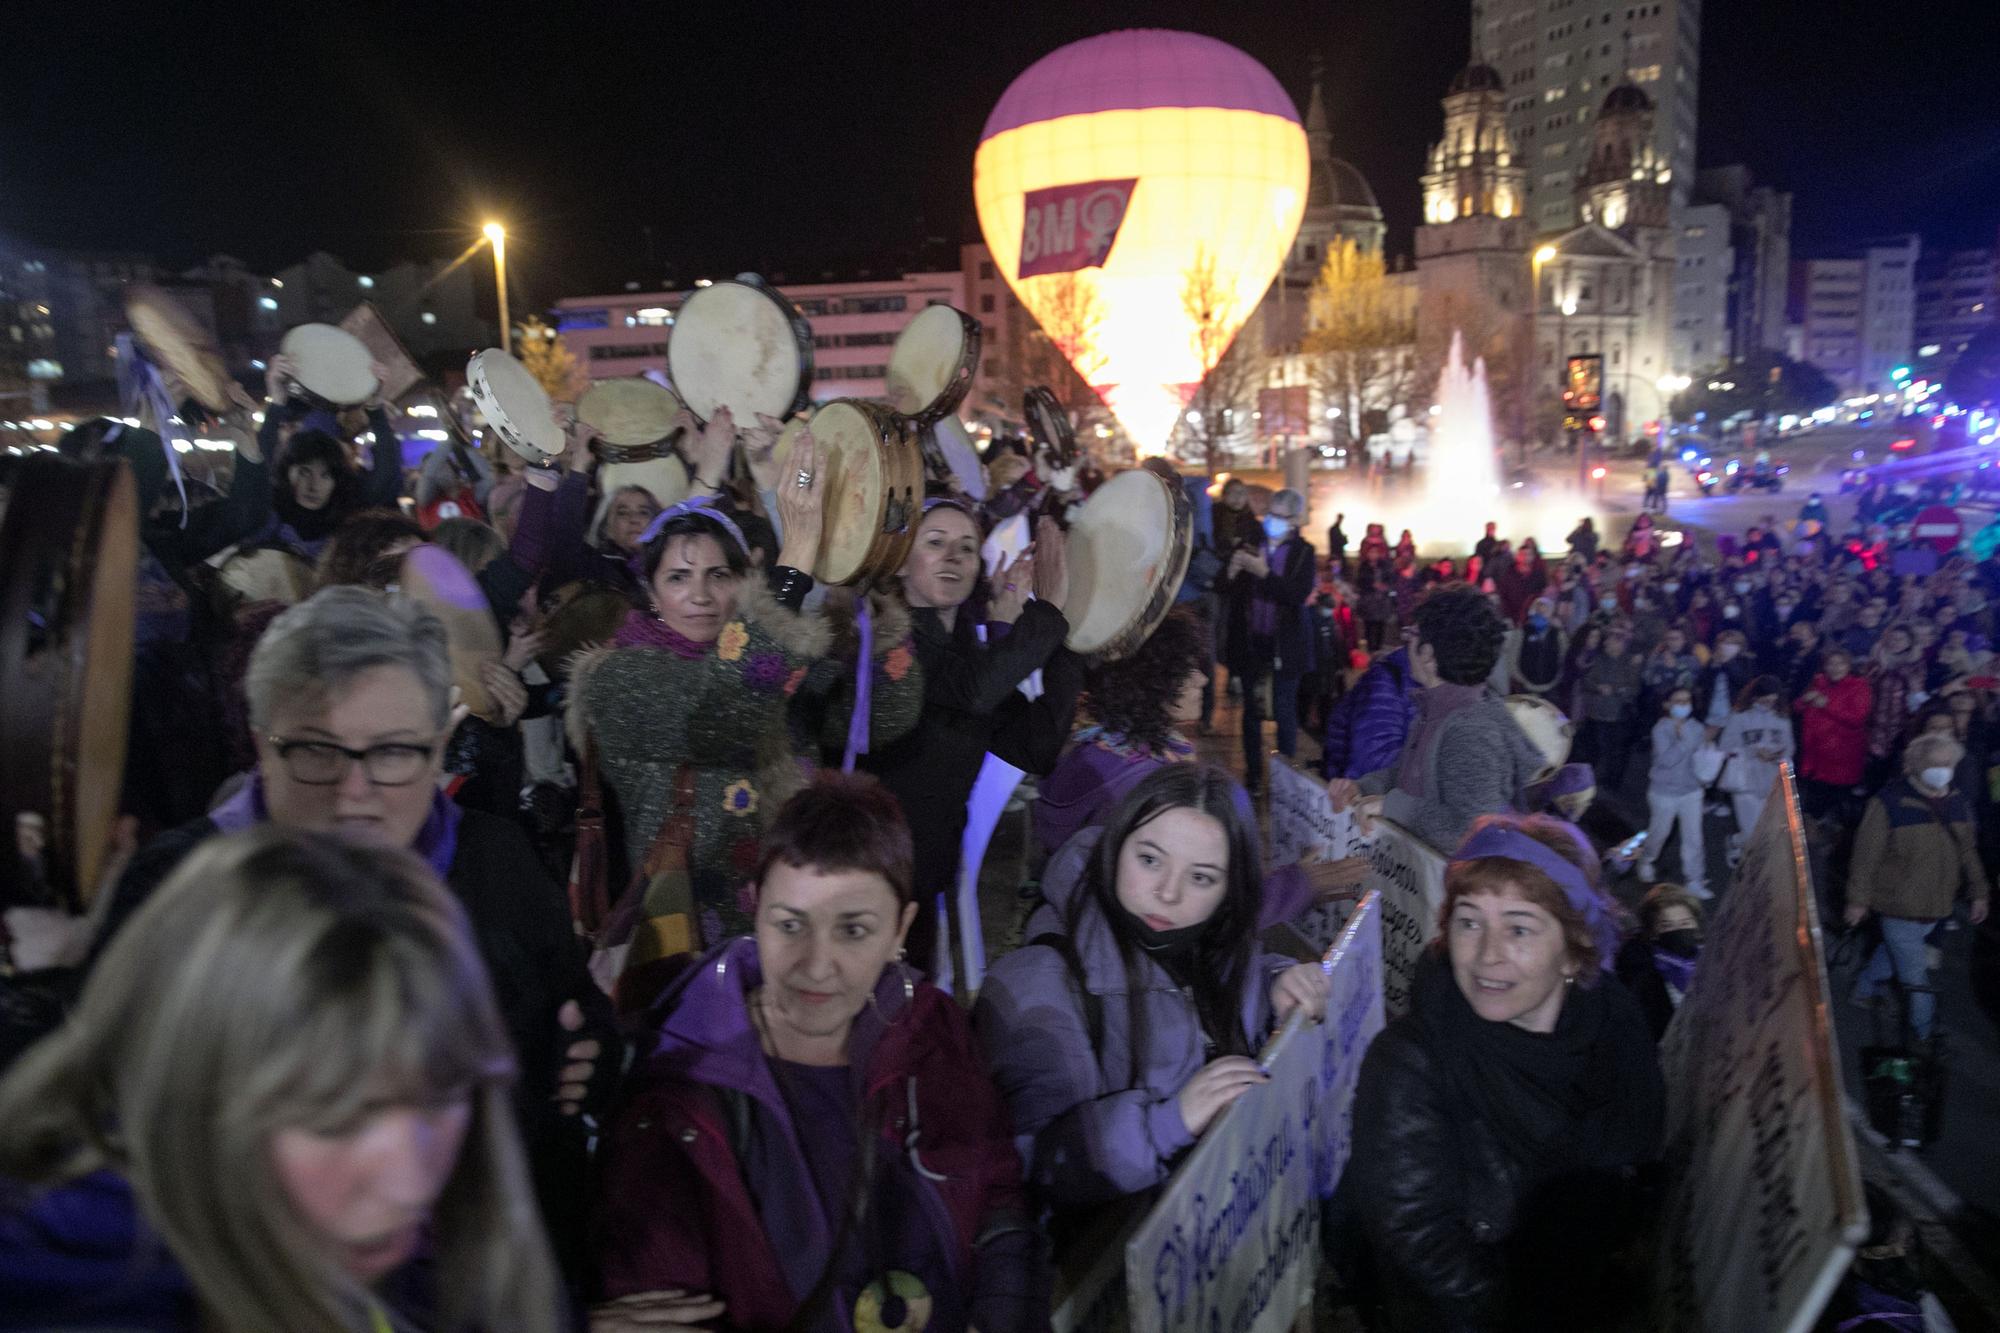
x: 1115, y: 168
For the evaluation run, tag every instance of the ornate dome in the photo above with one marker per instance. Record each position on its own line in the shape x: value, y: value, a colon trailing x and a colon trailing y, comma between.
x: 1626, y: 97
x: 1346, y: 187
x: 1477, y: 78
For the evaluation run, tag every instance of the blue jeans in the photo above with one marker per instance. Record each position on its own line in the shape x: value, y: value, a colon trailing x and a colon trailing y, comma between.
x: 1902, y: 952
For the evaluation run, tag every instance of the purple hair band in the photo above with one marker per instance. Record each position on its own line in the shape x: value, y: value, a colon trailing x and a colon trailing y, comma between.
x: 700, y: 506
x: 1511, y: 844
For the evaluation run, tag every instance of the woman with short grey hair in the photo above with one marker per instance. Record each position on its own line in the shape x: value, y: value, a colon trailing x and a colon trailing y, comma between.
x: 351, y: 707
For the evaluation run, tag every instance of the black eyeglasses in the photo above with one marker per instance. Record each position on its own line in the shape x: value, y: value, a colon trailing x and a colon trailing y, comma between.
x: 322, y: 763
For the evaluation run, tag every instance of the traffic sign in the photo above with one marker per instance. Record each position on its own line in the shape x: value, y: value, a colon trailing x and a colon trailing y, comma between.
x: 1939, y: 525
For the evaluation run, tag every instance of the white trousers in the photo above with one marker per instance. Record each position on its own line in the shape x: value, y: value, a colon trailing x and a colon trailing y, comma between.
x: 1667, y: 812
x: 1749, y: 808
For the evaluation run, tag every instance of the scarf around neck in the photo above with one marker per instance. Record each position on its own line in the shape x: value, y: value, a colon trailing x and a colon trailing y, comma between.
x: 642, y: 629
x: 436, y: 841
x: 1587, y: 1095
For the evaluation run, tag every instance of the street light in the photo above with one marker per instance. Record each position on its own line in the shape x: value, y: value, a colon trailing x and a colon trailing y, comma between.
x: 497, y: 234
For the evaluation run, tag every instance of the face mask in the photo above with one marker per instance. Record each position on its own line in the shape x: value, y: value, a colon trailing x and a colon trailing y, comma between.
x: 1741, y: 585
x: 1784, y: 610
x: 1608, y: 602
x: 1725, y: 651
x: 1917, y: 698
x: 1167, y: 944
x: 1632, y: 573
x: 1643, y: 603
x: 1682, y: 943
x: 1672, y: 585
x: 1937, y: 779
x: 1731, y: 612
x: 1538, y: 621
x: 1680, y: 712
x: 1277, y: 529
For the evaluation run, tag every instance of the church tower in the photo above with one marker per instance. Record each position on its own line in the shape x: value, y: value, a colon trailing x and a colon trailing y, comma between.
x: 1473, y: 170
x: 1473, y: 273
x: 1626, y: 183
x: 1339, y: 203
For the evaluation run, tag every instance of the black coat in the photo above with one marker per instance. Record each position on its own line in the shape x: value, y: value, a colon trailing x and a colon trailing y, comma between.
x: 1292, y: 643
x: 971, y: 706
x: 1462, y: 1234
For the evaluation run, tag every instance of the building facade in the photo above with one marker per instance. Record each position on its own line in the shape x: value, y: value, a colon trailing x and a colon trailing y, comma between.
x: 1958, y: 296
x: 1760, y: 239
x: 1473, y: 244
x: 1558, y: 58
x: 854, y: 325
x: 1705, y: 266
x: 1858, y: 313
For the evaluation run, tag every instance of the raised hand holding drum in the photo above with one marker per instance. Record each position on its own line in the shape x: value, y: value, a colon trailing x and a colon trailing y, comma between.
x: 1127, y: 551
x: 874, y: 479
x: 933, y: 362
x: 515, y: 405
x: 739, y: 344
x: 330, y: 367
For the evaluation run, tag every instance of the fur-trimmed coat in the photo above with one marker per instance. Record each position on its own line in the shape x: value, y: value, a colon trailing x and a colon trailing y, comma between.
x: 724, y: 739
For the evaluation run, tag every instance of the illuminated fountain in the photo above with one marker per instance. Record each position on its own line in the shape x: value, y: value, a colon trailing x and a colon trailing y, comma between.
x: 1461, y: 479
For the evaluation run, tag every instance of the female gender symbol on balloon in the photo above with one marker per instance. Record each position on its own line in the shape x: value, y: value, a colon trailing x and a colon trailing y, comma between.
x: 1122, y: 163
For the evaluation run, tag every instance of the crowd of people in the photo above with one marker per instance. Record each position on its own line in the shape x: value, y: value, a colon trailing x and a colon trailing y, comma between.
x: 611, y: 981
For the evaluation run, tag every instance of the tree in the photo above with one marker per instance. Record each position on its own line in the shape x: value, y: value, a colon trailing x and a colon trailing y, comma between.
x: 1058, y: 348
x: 549, y: 360
x: 1974, y: 379
x: 1761, y: 384
x: 1232, y: 365
x: 1361, y: 334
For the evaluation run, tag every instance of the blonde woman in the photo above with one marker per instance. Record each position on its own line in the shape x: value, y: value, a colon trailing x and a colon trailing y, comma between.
x: 286, y: 1081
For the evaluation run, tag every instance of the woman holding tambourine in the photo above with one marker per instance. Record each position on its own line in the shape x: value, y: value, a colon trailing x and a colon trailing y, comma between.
x: 688, y: 715
x: 973, y: 672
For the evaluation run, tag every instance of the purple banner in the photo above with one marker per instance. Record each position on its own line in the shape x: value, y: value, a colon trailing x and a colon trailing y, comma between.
x: 1068, y: 227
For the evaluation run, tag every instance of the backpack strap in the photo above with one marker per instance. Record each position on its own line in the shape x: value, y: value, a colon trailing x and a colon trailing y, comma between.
x: 1093, y: 1003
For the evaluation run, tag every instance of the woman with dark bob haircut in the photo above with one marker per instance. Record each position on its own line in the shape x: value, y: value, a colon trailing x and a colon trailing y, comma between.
x: 711, y: 705
x: 1132, y: 1019
x: 1501, y: 1124
x: 813, y: 1142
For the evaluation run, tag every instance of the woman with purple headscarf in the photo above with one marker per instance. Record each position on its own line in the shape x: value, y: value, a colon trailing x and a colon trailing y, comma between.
x: 712, y: 704
x: 1501, y: 1125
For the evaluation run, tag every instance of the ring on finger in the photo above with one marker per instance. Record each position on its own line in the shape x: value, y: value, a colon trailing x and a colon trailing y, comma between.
x: 805, y: 477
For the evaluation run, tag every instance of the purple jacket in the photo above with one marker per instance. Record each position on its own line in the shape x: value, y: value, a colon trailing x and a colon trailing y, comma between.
x: 1094, y: 777
x: 707, y: 1186
x: 1365, y: 731
x: 1087, y: 1135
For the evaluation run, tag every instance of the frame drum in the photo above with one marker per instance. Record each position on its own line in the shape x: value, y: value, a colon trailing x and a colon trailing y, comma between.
x: 385, y: 349
x: 69, y: 559
x: 739, y: 344
x: 1049, y: 424
x: 332, y: 365
x: 583, y: 614
x: 515, y: 405
x: 949, y: 452
x: 433, y: 576
x: 179, y: 346
x: 932, y: 363
x: 665, y: 479
x: 265, y: 574
x: 1128, y: 552
x: 874, y: 491
x: 633, y: 418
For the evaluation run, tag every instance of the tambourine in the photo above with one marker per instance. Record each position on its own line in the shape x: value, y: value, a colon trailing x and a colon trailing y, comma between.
x: 740, y: 344
x: 177, y: 343
x: 1049, y: 424
x: 331, y: 368
x: 1127, y: 550
x: 874, y: 487
x: 515, y: 405
x: 69, y: 556
x: 634, y: 419
x: 932, y: 363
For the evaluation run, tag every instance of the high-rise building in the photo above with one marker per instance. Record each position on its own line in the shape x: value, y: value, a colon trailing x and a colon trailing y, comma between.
x: 1858, y: 313
x: 1704, y: 267
x: 1557, y: 59
x: 1958, y: 295
x: 1760, y: 237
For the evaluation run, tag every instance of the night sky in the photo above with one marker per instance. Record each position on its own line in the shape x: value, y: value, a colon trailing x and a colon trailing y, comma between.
x: 826, y: 136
